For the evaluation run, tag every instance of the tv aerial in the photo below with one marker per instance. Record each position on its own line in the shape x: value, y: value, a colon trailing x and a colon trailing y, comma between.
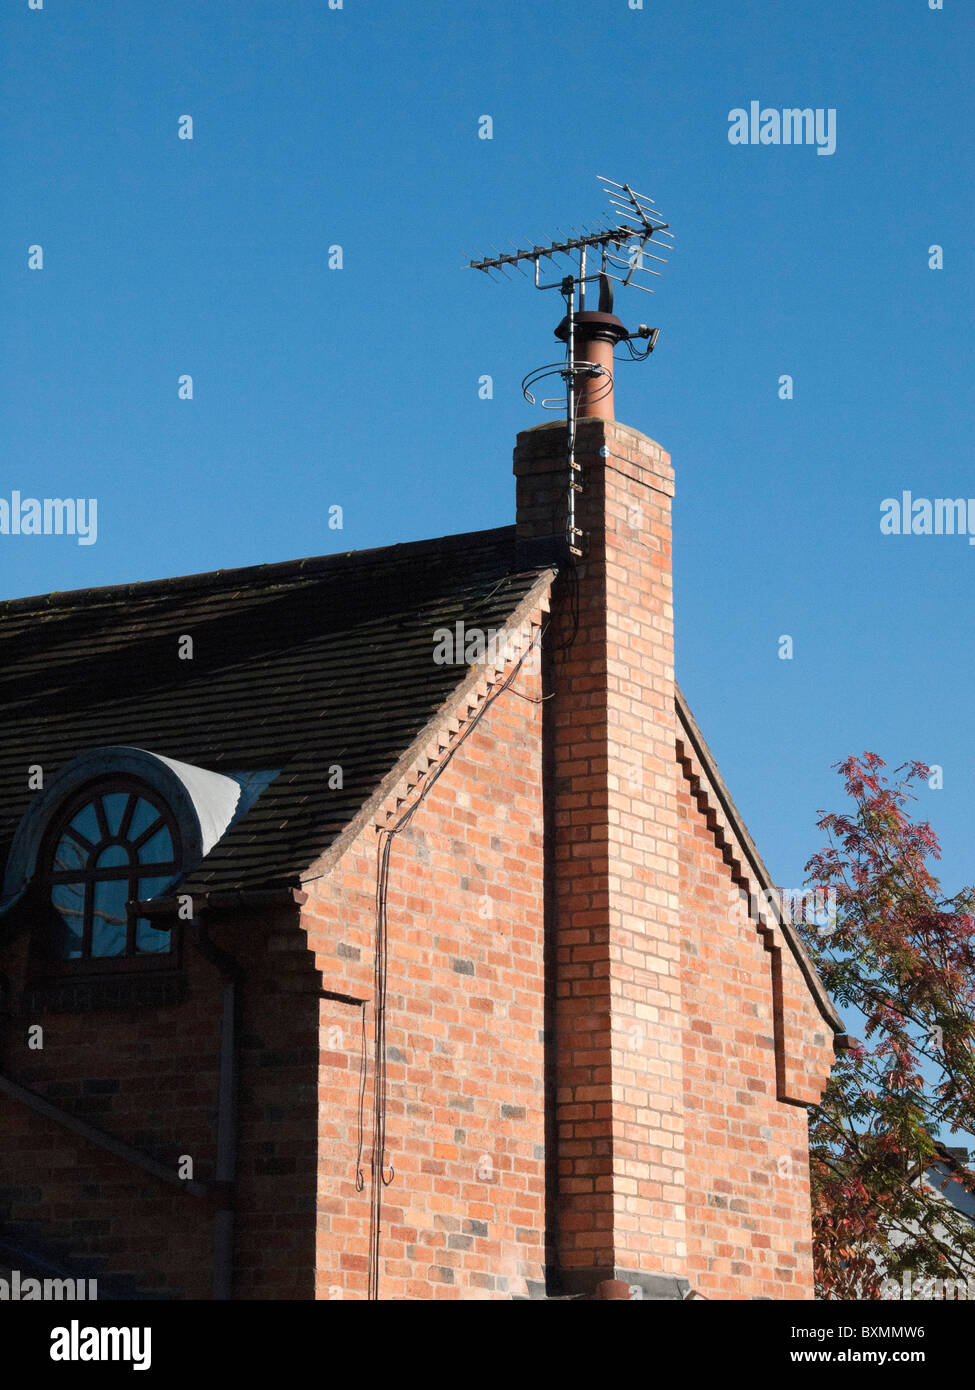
x: 615, y: 250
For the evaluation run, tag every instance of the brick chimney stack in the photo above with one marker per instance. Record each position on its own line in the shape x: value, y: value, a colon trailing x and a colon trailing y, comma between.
x: 613, y: 902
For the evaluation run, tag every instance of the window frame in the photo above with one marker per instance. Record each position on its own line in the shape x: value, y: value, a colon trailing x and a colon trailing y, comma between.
x: 44, y: 961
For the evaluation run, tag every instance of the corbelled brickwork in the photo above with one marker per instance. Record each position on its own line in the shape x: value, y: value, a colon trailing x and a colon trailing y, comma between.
x: 755, y: 1047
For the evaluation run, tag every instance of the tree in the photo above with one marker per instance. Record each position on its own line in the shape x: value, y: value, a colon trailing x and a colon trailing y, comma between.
x: 903, y: 956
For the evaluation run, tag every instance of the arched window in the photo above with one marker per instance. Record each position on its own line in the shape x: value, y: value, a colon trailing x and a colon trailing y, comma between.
x: 113, y: 826
x: 113, y: 842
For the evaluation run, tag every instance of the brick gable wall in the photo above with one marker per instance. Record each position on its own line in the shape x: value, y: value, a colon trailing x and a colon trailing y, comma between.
x: 463, y: 1216
x: 597, y: 1063
x: 752, y: 1028
x: 667, y: 1160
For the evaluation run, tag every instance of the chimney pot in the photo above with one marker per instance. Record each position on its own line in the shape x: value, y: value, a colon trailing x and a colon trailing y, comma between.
x: 597, y: 334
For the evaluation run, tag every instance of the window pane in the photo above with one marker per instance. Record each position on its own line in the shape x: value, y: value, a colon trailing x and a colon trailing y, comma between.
x: 89, y: 918
x: 149, y: 940
x: 115, y: 857
x: 68, y: 924
x: 68, y: 855
x: 152, y: 887
x: 109, y: 923
x: 147, y: 937
x: 144, y: 815
x: 158, y: 849
x: 87, y: 823
x: 115, y: 804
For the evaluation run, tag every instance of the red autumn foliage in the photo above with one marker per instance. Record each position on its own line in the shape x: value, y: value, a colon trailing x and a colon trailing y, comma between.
x: 902, y: 957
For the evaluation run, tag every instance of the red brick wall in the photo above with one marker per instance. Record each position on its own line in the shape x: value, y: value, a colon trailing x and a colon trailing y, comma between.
x: 687, y: 1041
x: 620, y: 1020
x: 148, y: 1076
x: 682, y: 1141
x: 277, y: 1149
x: 464, y: 1214
x: 747, y: 1194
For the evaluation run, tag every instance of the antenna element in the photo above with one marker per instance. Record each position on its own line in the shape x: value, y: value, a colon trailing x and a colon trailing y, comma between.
x: 621, y: 241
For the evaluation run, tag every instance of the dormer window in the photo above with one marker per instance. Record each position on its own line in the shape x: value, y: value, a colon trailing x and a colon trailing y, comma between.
x: 113, y: 843
x: 113, y: 828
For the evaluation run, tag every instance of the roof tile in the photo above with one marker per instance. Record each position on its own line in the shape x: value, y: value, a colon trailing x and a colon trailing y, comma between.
x: 295, y: 666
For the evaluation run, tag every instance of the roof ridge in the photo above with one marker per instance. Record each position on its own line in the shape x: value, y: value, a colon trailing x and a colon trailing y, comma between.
x: 251, y: 574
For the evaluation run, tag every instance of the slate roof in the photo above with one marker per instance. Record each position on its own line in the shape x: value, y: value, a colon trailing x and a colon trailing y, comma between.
x: 296, y: 666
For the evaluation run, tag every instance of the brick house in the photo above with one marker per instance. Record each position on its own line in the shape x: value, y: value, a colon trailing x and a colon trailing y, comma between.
x: 380, y: 925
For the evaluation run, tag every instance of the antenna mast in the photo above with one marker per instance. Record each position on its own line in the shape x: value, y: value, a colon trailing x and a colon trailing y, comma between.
x: 621, y: 241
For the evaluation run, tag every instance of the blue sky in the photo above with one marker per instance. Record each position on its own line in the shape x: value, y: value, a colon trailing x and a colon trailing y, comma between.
x: 358, y: 387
